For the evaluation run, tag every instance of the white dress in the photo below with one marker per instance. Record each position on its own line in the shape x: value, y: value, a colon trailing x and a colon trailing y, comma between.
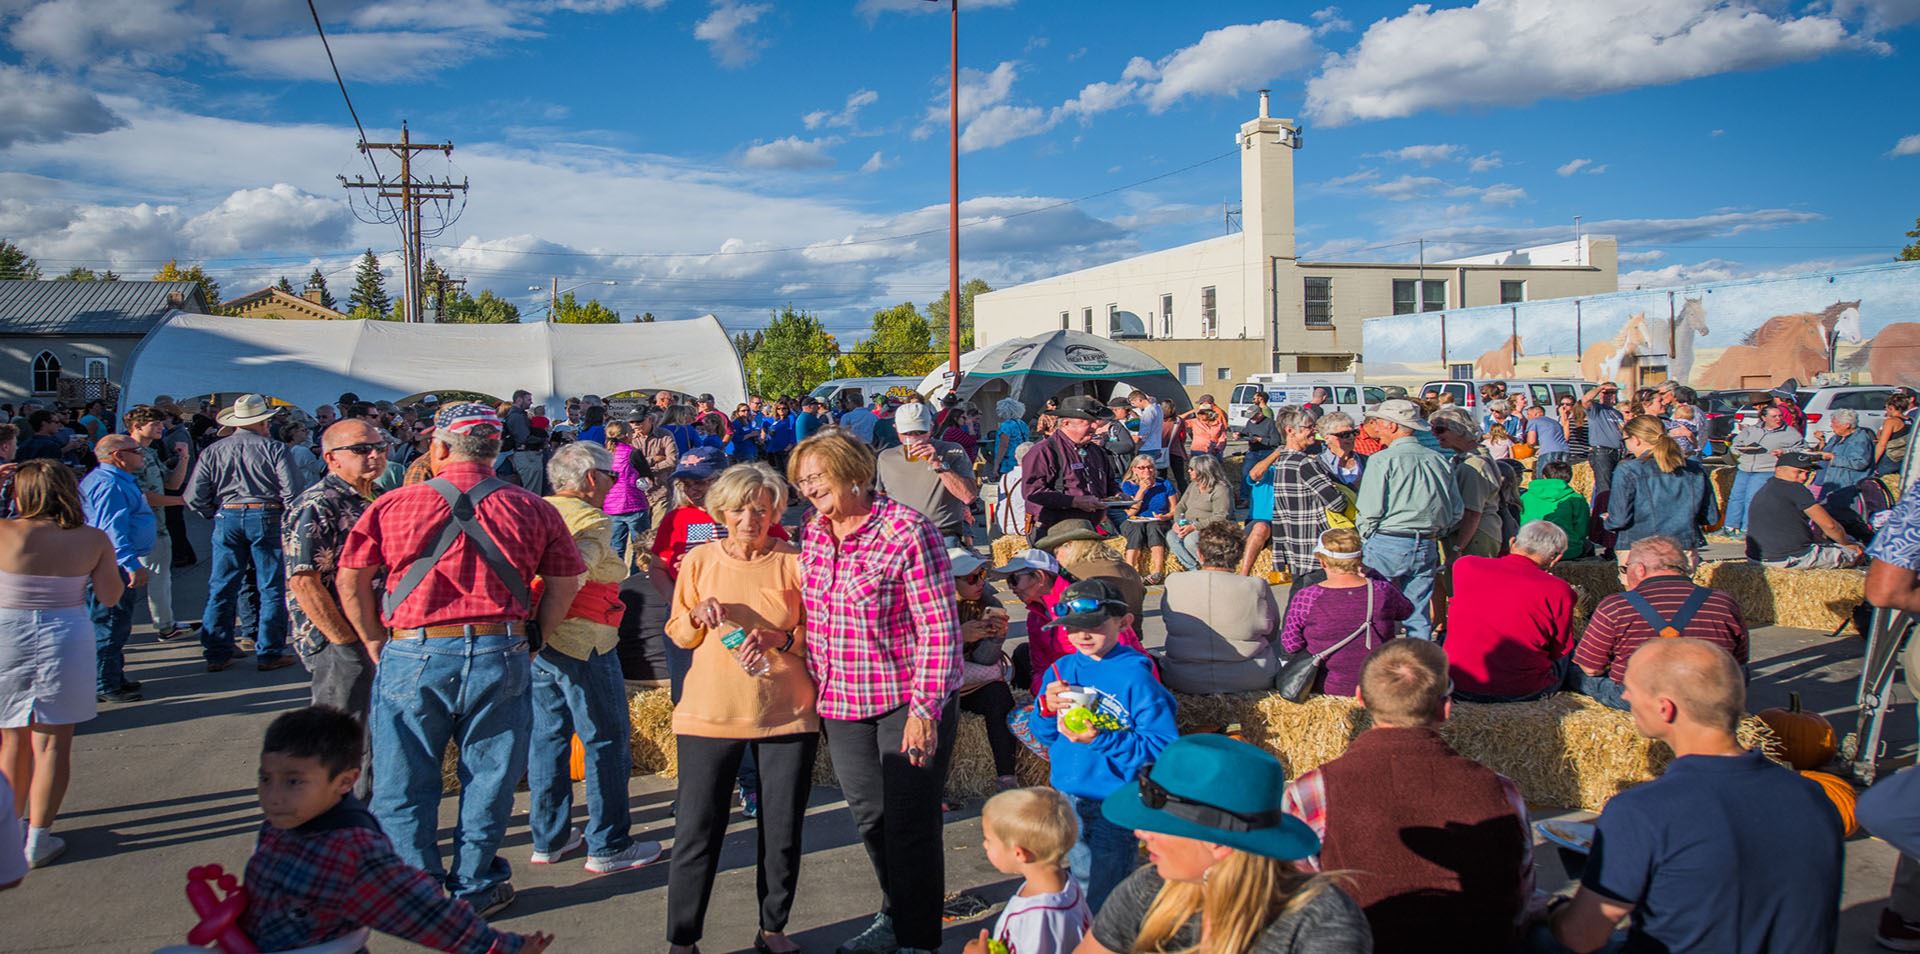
x: 47, y: 657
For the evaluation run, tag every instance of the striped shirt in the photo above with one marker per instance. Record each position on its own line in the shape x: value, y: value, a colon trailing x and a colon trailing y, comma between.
x: 1617, y: 629
x: 882, y: 625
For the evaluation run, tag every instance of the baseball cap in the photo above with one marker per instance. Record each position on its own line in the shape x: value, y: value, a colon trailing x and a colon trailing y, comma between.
x: 700, y: 463
x: 964, y: 561
x: 1799, y: 459
x: 465, y: 417
x: 1029, y: 560
x: 912, y: 418
x: 1088, y: 603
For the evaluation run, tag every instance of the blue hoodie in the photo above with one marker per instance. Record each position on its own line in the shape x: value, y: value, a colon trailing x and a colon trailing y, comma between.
x: 1129, y: 693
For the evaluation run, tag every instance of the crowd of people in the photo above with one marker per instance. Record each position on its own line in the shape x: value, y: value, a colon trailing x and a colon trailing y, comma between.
x: 496, y: 578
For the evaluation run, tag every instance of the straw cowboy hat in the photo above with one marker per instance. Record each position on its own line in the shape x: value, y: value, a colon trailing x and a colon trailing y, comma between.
x: 246, y: 409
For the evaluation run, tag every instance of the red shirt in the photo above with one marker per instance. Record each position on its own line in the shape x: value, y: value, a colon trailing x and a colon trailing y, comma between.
x: 403, y: 525
x: 1507, y: 622
x: 684, y: 528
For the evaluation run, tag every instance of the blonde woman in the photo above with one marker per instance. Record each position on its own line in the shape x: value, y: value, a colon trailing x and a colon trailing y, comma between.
x: 1658, y: 492
x: 1225, y: 876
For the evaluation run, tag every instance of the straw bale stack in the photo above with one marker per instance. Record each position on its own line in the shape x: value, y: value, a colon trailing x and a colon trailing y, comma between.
x: 1805, y: 599
x: 1004, y: 548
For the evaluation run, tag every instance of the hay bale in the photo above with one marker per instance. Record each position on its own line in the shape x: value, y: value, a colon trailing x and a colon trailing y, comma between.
x: 1582, y: 479
x: 1805, y: 599
x: 1591, y: 580
x: 1005, y: 547
x: 650, y: 711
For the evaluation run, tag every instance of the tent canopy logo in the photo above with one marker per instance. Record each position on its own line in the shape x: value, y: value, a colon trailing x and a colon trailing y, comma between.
x: 1014, y: 356
x: 1087, y: 357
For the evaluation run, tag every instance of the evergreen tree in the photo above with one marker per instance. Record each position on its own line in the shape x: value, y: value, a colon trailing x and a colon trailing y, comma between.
x: 1910, y: 253
x: 16, y: 263
x: 901, y: 342
x: 369, y: 298
x: 319, y: 280
x: 285, y: 286
x: 488, y: 309
x: 791, y: 355
x: 646, y: 317
x: 79, y: 273
x: 172, y: 272
x: 937, y: 315
x: 571, y: 312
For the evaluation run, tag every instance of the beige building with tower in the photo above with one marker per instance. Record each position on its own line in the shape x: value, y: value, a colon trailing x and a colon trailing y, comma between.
x: 1223, y: 308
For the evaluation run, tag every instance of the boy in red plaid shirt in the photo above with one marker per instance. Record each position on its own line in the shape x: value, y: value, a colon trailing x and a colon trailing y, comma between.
x: 323, y: 870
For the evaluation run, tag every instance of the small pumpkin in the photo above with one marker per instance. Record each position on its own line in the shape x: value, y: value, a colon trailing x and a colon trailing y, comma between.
x: 577, y: 760
x: 1840, y: 792
x: 1807, y: 740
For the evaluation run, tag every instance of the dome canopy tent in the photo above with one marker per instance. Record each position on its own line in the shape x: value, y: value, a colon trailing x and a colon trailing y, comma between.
x: 310, y: 363
x: 1034, y: 369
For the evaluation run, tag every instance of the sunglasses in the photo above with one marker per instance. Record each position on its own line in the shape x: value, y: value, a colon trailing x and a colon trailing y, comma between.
x: 1084, y: 604
x: 1213, y: 816
x: 1342, y: 435
x: 361, y: 449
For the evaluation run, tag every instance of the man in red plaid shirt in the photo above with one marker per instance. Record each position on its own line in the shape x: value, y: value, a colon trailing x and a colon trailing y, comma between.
x: 457, y: 667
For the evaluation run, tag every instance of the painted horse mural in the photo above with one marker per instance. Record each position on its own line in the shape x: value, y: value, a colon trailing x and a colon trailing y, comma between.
x: 1893, y: 356
x: 1498, y: 363
x: 1796, y: 346
x: 1607, y: 360
x: 1690, y: 323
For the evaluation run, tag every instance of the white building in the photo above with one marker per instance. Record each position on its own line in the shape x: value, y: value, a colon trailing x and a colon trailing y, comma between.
x: 1220, y: 309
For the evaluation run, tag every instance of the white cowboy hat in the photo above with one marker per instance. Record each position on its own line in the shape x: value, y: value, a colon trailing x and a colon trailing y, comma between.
x: 246, y: 409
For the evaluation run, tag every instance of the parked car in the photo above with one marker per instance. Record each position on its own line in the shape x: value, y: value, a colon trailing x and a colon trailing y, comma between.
x: 1868, y: 401
x: 1723, y: 411
x: 1546, y: 392
x: 1297, y: 389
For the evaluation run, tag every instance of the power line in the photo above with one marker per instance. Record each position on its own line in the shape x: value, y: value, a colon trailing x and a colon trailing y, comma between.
x: 342, y: 83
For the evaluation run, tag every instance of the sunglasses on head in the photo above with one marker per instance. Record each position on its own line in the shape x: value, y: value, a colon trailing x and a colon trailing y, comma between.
x: 1084, y: 604
x: 1153, y: 796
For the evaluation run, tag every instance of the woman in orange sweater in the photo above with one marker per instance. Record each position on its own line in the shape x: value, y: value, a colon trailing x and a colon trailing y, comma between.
x: 743, y: 589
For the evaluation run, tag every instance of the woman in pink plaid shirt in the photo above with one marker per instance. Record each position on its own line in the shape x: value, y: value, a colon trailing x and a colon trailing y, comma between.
x: 883, y: 646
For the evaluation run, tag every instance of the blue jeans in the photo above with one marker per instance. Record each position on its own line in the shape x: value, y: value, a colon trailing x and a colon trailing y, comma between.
x: 245, y: 542
x: 1181, y: 549
x: 1411, y: 566
x: 471, y: 690
x: 629, y: 527
x: 1105, y: 854
x: 112, y: 625
x: 1601, y: 689
x: 585, y: 698
x: 1746, y: 483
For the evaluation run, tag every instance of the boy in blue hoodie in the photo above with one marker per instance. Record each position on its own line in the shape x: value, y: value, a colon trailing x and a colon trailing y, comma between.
x: 1104, y: 717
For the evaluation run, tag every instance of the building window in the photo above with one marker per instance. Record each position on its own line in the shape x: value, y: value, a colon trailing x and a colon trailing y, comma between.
x: 1513, y: 293
x: 1209, y: 314
x: 1434, y: 294
x: 1319, y: 302
x: 1064, y: 318
x: 1166, y: 316
x: 46, y: 373
x: 1225, y: 374
x: 1192, y: 374
x: 1086, y: 321
x: 1113, y: 319
x: 96, y: 367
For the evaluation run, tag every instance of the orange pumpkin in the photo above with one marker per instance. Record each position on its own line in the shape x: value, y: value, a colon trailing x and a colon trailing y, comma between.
x: 1840, y: 792
x: 1806, y: 738
x: 577, y: 760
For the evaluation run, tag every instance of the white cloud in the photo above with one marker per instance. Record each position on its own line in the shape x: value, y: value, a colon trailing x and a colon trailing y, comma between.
x: 1641, y: 258
x: 1328, y: 20
x: 1408, y: 188
x: 384, y: 57
x: 1000, y: 125
x: 726, y: 32
x: 1483, y: 163
x: 1425, y: 155
x: 74, y: 32
x: 1578, y: 165
x: 874, y: 163
x: 1351, y: 178
x: 791, y: 152
x: 1226, y: 61
x: 873, y: 8
x: 1907, y: 146
x: 1096, y: 98
x: 37, y: 108
x: 847, y: 116
x: 277, y: 217
x: 1877, y: 16
x: 1503, y: 194
x: 1511, y: 52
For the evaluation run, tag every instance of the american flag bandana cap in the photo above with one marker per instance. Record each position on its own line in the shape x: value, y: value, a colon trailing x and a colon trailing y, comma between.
x: 463, y: 418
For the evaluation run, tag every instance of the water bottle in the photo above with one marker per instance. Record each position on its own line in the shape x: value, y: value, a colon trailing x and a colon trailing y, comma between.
x: 756, y: 667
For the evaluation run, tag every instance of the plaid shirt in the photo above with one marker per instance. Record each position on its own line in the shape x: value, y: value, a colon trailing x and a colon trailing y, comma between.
x: 337, y: 874
x: 1303, y: 490
x: 403, y: 524
x: 882, y: 627
x: 310, y: 540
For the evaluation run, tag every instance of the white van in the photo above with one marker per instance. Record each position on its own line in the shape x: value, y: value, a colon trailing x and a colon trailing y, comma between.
x: 1297, y: 388
x: 1545, y: 392
x: 831, y: 392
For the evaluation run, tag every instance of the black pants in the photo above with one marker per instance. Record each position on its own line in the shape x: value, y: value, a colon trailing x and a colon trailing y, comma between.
x: 177, y: 528
x: 707, y: 770
x: 896, y: 806
x: 994, y: 702
x: 1603, y: 460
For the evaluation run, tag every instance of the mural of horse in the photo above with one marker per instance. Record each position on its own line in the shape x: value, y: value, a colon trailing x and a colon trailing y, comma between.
x: 1605, y: 361
x: 1785, y: 346
x: 1691, y: 321
x: 1893, y: 356
x: 1498, y: 363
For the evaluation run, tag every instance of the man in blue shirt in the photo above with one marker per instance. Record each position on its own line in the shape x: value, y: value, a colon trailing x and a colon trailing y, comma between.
x: 1690, y: 854
x: 113, y: 503
x: 1605, y: 444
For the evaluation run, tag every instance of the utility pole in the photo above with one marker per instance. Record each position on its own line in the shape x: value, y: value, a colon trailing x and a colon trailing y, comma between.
x: 413, y: 193
x: 953, y: 205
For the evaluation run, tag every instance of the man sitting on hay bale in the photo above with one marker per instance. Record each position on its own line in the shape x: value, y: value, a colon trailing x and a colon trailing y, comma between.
x: 1436, y: 844
x: 1778, y: 531
x: 1510, y: 622
x: 1661, y: 600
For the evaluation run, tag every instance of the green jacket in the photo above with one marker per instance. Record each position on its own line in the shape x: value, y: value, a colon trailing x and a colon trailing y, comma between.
x: 1559, y: 504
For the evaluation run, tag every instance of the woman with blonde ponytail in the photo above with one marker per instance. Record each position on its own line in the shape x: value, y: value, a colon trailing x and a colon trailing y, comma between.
x: 1223, y: 877
x: 1659, y: 492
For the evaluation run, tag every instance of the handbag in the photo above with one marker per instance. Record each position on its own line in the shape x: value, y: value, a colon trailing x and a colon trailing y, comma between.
x: 1302, y: 668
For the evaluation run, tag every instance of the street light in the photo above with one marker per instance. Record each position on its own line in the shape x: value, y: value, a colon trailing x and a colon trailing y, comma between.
x: 555, y: 291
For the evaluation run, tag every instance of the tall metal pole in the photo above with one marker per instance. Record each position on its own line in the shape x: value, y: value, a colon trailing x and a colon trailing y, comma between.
x: 407, y: 225
x: 953, y: 205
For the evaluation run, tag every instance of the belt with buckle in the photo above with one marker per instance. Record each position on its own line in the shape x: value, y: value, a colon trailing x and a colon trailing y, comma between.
x: 458, y: 629
x: 1410, y: 534
x: 250, y: 506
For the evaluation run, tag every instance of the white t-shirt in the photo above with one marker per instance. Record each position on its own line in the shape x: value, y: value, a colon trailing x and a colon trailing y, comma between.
x: 1150, y: 419
x: 1044, y: 923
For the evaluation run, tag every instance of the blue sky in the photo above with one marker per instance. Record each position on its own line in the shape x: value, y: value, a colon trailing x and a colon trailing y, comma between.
x: 730, y: 156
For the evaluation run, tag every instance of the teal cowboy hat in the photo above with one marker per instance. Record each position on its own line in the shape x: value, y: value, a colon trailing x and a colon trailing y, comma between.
x: 1214, y: 789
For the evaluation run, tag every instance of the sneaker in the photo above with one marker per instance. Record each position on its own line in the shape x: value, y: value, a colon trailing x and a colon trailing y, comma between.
x: 50, y: 847
x: 175, y: 632
x: 575, y: 839
x: 494, y: 901
x: 637, y: 855
x: 876, y: 939
x: 132, y: 684
x: 750, y: 804
x: 1897, y: 933
x: 120, y: 695
x: 271, y: 663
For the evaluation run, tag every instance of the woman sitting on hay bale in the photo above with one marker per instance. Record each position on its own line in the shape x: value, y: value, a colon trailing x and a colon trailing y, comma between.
x: 1344, y: 616
x: 1220, y: 625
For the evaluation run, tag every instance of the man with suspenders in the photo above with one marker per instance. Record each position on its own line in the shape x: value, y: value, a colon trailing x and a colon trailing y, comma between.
x: 459, y: 554
x: 1661, y: 601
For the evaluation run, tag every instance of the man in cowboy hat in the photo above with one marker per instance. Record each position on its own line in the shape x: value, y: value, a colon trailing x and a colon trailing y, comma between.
x: 1066, y: 475
x: 245, y: 482
x: 1408, y: 498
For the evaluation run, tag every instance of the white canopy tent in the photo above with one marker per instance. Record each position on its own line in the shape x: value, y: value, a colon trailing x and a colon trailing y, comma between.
x: 309, y: 363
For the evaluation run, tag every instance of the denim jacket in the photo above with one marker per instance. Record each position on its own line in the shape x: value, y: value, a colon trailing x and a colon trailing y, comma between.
x: 1645, y: 502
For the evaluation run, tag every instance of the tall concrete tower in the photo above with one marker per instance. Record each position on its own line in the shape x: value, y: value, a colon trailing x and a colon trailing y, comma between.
x: 1266, y: 213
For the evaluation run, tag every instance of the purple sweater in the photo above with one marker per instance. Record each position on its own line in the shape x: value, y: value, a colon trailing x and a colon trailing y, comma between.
x: 624, y: 498
x: 1321, y: 616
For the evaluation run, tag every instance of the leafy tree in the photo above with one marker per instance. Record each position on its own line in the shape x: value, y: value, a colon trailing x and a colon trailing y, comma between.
x: 81, y: 273
x: 1910, y: 253
x: 937, y: 315
x: 570, y: 312
x: 285, y: 286
x: 16, y: 263
x: 901, y: 342
x: 646, y: 317
x: 369, y: 289
x: 791, y: 355
x: 488, y: 309
x: 319, y: 280
x: 172, y: 272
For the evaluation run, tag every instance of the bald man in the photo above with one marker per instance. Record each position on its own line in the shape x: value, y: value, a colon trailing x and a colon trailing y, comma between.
x: 316, y: 527
x: 114, y: 503
x: 1690, y: 855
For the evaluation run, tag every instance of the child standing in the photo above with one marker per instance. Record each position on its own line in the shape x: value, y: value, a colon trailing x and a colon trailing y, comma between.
x: 1103, y: 717
x: 1499, y: 443
x: 1028, y: 832
x: 322, y: 869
